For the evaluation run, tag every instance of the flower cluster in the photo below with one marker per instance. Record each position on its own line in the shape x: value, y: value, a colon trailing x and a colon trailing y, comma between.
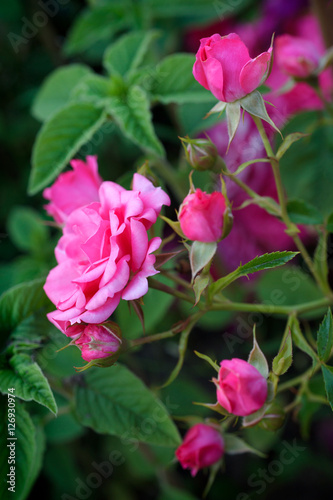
x: 104, y: 254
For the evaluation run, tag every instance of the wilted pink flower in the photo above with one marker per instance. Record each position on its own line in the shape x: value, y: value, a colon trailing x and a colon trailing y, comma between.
x: 104, y: 254
x: 296, y: 56
x: 203, y: 446
x: 73, y: 189
x: 201, y: 216
x: 241, y: 389
x: 98, y: 341
x: 223, y: 66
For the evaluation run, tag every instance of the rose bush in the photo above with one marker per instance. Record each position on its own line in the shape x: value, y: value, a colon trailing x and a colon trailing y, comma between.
x: 241, y: 389
x: 203, y: 446
x: 201, y: 216
x: 104, y: 254
x: 223, y: 66
x: 73, y: 189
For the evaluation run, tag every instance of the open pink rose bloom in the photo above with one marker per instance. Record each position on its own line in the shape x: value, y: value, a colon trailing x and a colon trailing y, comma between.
x: 203, y: 446
x: 104, y: 254
x: 223, y: 66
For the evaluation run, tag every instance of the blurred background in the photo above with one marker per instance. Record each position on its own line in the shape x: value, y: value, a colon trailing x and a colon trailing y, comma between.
x: 38, y: 36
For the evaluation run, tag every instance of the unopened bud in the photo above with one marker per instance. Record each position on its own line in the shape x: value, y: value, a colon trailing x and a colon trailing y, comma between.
x: 99, y: 341
x: 200, y: 153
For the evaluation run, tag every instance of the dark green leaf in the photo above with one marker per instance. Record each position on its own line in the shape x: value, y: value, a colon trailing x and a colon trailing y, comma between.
x: 235, y: 445
x: 174, y: 81
x: 114, y: 401
x: 133, y: 116
x: 328, y: 379
x: 21, y: 301
x: 325, y: 337
x: 301, y: 212
x: 56, y: 90
x: 127, y: 53
x: 59, y: 139
x: 95, y: 89
x: 100, y: 23
x: 27, y: 229
x: 29, y: 448
x: 28, y: 380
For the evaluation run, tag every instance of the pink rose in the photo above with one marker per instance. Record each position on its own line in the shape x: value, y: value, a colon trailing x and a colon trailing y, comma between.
x: 104, y: 254
x: 241, y: 389
x: 223, y: 66
x: 201, y: 216
x: 296, y: 56
x: 73, y: 189
x: 203, y: 445
x: 97, y: 341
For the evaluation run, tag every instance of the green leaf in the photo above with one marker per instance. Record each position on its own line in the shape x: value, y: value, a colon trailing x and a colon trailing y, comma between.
x: 283, y: 360
x: 244, y: 165
x: 174, y: 81
x: 299, y: 340
x: 200, y: 255
x: 254, y: 104
x: 328, y: 379
x: 287, y: 142
x: 208, y: 359
x: 95, y: 89
x: 306, y: 171
x: 235, y: 445
x: 56, y: 90
x: 325, y: 337
x: 28, y: 380
x: 29, y: 448
x: 127, y: 53
x: 27, y: 229
x: 260, y: 263
x: 133, y: 116
x: 21, y: 301
x: 329, y: 225
x: 114, y: 401
x: 100, y: 23
x: 59, y: 139
x: 257, y: 357
x: 301, y: 212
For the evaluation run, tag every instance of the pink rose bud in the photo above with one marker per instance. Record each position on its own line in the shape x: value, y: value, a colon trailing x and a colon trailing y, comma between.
x: 200, y: 153
x: 296, y: 56
x: 73, y: 189
x: 241, y: 389
x: 203, y: 446
x: 99, y: 341
x: 201, y: 216
x: 223, y: 66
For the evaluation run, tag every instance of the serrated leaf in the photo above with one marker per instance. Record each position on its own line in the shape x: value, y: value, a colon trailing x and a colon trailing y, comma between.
x: 127, y: 53
x: 200, y: 255
x: 328, y: 379
x: 257, y: 357
x: 174, y: 81
x: 301, y: 212
x: 21, y: 301
x: 94, y: 25
x: 235, y: 445
x: 28, y: 380
x: 287, y: 142
x: 59, y: 139
x: 283, y: 360
x: 95, y: 89
x: 299, y: 340
x: 29, y: 448
x: 133, y: 116
x: 56, y: 90
x: 260, y: 263
x: 114, y: 401
x: 325, y: 337
x: 27, y: 229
